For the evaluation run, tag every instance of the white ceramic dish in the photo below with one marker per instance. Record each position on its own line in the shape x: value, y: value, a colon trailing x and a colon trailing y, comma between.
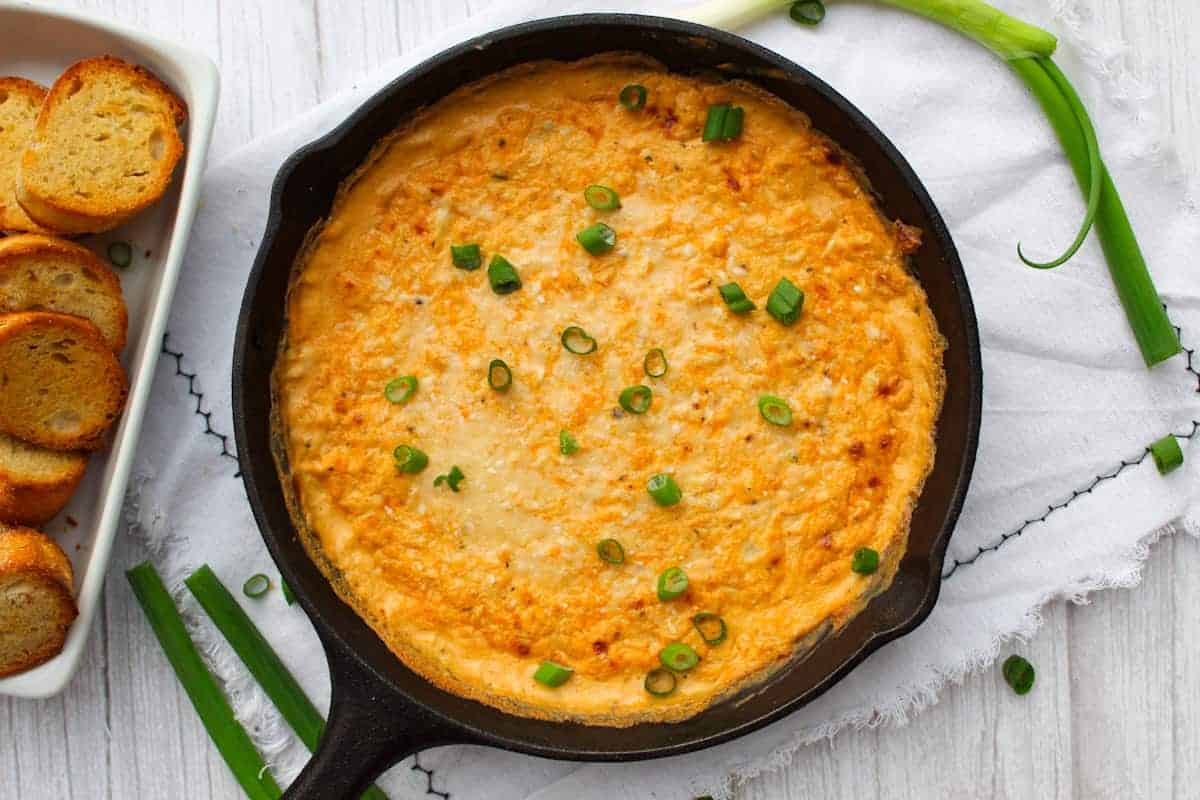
x: 39, y: 43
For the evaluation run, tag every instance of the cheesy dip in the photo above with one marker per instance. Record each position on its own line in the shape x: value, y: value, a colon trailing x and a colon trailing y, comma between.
x: 605, y: 389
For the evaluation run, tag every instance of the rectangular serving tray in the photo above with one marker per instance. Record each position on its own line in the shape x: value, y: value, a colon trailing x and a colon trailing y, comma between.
x: 39, y: 43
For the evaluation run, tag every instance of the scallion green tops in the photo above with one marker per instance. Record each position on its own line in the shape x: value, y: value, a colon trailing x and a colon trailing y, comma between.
x: 735, y: 298
x: 597, y: 238
x: 466, y: 256
x: 633, y: 97
x: 636, y: 399
x: 502, y: 275
x: 400, y: 390
x: 664, y: 490
x: 601, y: 198
x: 785, y: 302
x: 1167, y: 454
x: 723, y: 123
x: 552, y: 675
x: 655, y: 363
x: 576, y: 340
x: 672, y: 583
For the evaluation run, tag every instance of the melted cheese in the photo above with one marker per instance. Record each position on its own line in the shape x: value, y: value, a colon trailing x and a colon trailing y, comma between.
x: 474, y: 589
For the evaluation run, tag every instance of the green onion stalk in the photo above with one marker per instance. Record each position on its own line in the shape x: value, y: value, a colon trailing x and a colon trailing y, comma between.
x: 1028, y: 49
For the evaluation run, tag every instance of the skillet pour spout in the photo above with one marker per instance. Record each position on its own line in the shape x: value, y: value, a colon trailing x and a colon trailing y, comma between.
x: 381, y: 710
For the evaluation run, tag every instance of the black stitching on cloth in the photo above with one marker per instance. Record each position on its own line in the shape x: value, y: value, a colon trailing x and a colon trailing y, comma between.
x: 1190, y: 366
x: 428, y: 773
x: 209, y: 430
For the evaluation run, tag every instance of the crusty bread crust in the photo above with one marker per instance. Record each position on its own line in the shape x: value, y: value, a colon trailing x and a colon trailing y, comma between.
x: 92, y: 205
x: 61, y: 386
x: 30, y: 281
x: 36, y: 602
x: 36, y: 483
x: 20, y: 101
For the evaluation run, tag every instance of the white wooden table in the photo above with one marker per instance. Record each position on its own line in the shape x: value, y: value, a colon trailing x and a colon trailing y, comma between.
x: 1116, y: 710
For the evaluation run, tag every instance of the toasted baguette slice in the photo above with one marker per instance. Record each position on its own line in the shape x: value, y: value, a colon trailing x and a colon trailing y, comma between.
x: 61, y: 386
x: 36, y: 604
x: 104, y: 147
x: 19, y: 103
x: 35, y: 483
x: 40, y: 273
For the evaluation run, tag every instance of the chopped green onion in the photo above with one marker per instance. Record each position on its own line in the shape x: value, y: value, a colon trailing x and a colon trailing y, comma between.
x: 636, y: 399
x: 663, y: 489
x: 466, y: 256
x: 499, y: 376
x: 1018, y: 673
x: 714, y: 123
x: 576, y: 340
x: 710, y: 627
x: 256, y: 585
x: 1168, y: 455
x: 735, y: 298
x: 552, y: 675
x: 678, y: 657
x: 597, y: 238
x: 601, y: 198
x: 566, y: 443
x: 671, y: 583
x: 261, y: 660
x: 731, y: 128
x: 120, y: 254
x: 660, y: 682
x: 401, y: 389
x: 655, y: 363
x: 452, y: 479
x: 775, y: 410
x: 633, y: 97
x: 288, y: 597
x: 785, y: 302
x: 409, y: 459
x: 865, y: 561
x: 610, y: 550
x: 807, y: 12
x: 502, y: 275
x: 227, y: 734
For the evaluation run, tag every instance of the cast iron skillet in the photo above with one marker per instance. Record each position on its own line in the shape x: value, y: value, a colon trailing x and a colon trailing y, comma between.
x: 381, y: 710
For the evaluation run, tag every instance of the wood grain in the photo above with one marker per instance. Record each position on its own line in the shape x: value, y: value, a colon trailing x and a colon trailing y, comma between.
x: 1116, y: 710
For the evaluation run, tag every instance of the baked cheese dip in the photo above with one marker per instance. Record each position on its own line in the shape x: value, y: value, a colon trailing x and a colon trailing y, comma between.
x: 606, y: 390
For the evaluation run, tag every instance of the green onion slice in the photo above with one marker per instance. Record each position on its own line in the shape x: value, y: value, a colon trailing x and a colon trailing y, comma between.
x: 1018, y: 673
x: 401, y: 389
x: 256, y: 585
x: 1168, y: 455
x: 597, y: 238
x: 678, y: 657
x: 576, y: 340
x: 671, y: 583
x: 731, y: 128
x: 552, y: 675
x: 601, y: 198
x: 466, y: 256
x: 502, y: 275
x: 775, y: 410
x: 660, y: 682
x: 633, y: 97
x: 865, y: 561
x: 499, y: 376
x: 655, y: 363
x: 735, y: 298
x: 120, y: 254
x: 610, y: 550
x: 714, y: 123
x: 409, y: 459
x: 807, y: 12
x: 710, y: 627
x: 452, y: 479
x: 785, y: 302
x: 636, y: 399
x: 566, y: 443
x: 663, y: 489
x: 288, y: 597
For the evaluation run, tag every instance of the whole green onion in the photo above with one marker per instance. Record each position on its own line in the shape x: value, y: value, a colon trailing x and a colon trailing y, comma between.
x: 597, y: 238
x: 227, y: 734
x: 401, y: 389
x: 664, y: 490
x: 1167, y: 454
x: 551, y: 674
x: 261, y: 660
x: 502, y: 275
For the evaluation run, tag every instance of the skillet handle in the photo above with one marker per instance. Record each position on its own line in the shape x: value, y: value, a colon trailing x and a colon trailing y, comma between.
x: 370, y: 728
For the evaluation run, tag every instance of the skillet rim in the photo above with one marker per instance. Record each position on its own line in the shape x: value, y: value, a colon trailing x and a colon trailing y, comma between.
x: 333, y: 638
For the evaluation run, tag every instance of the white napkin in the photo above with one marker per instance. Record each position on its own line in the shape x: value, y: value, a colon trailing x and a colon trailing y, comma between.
x: 1063, y: 501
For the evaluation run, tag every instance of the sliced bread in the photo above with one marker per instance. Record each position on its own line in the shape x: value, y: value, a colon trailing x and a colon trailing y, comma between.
x: 35, y: 483
x: 40, y: 273
x: 36, y: 603
x: 19, y: 103
x: 61, y: 386
x: 104, y: 147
